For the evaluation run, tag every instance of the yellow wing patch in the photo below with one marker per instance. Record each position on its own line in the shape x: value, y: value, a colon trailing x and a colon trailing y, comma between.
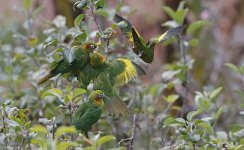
x: 128, y: 74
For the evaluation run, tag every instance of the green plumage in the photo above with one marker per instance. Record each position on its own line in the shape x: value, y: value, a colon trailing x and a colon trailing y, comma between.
x: 73, y: 60
x: 89, y: 112
x: 106, y: 76
x: 145, y: 50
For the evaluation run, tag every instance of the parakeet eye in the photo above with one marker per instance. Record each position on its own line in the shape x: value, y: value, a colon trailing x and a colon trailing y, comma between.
x: 100, y: 95
x: 92, y: 46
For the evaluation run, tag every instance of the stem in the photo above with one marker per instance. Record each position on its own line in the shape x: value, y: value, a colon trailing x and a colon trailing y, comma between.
x: 131, y: 139
x: 183, y: 56
x: 133, y: 132
x: 28, y: 140
x: 21, y: 144
x: 104, y: 40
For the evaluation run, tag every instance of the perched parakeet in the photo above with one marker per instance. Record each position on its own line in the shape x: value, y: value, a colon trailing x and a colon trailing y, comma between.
x: 72, y: 61
x: 107, y: 76
x: 144, y: 49
x: 89, y: 112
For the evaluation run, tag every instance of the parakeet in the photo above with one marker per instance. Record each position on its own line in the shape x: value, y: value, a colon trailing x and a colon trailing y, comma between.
x: 72, y: 61
x: 144, y: 49
x: 89, y: 112
x: 107, y: 76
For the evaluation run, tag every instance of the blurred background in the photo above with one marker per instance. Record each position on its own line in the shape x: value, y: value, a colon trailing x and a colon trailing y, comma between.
x: 221, y: 41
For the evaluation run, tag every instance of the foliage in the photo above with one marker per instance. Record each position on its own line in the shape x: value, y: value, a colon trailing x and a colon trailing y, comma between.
x: 39, y: 117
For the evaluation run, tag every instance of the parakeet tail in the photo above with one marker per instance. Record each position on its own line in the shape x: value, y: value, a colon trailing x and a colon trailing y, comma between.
x: 45, y: 78
x: 139, y: 69
x: 115, y: 106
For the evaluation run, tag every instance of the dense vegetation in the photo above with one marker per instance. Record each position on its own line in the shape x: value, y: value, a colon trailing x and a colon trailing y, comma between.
x: 170, y: 114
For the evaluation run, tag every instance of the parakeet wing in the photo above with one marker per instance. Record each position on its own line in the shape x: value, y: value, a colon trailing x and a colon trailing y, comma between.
x: 168, y: 34
x: 124, y: 25
x: 123, y: 71
x: 114, y: 105
x: 139, y: 43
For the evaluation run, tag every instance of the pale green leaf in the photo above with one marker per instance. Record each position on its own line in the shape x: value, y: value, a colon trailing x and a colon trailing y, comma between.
x: 196, y: 26
x: 52, y: 92
x: 78, y: 19
x: 64, y: 130
x: 39, y: 129
x: 215, y: 93
x: 169, y: 11
x: 174, y: 122
x: 171, y: 98
x: 233, y: 67
x: 192, y: 114
x: 66, y: 145
x: 104, y: 139
x: 102, y: 12
x: 27, y: 4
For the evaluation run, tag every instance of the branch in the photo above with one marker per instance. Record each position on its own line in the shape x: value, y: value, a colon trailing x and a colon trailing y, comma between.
x: 131, y: 139
x: 104, y: 40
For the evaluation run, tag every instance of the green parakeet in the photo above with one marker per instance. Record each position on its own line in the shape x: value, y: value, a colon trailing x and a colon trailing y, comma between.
x: 107, y: 76
x: 89, y: 112
x: 144, y: 49
x: 72, y: 61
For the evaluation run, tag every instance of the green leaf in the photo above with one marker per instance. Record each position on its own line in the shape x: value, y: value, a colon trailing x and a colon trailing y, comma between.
x: 78, y: 19
x: 232, y: 67
x: 196, y: 26
x: 52, y: 92
x: 78, y: 92
x: 180, y: 16
x: 169, y: 11
x: 102, y: 12
x: 181, y: 5
x: 64, y: 130
x: 219, y: 112
x: 18, y: 120
x: 64, y: 145
x: 27, y: 4
x: 39, y: 141
x: 39, y: 129
x: 80, y: 4
x: 171, y: 98
x: 194, y: 42
x: 174, y: 122
x: 192, y: 114
x: 79, y: 39
x: 104, y: 139
x: 215, y: 92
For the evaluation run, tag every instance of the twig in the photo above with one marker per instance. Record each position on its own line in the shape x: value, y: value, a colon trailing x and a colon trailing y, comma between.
x: 104, y: 40
x: 183, y: 56
x: 131, y: 139
x: 28, y: 140
x: 21, y: 144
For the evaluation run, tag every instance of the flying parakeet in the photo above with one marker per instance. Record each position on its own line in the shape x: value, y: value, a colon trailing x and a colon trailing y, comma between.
x: 89, y: 112
x: 107, y: 76
x: 144, y: 49
x: 72, y: 61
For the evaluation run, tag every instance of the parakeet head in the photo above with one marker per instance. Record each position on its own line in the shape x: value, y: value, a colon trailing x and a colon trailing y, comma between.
x: 96, y: 97
x: 89, y: 46
x: 97, y: 59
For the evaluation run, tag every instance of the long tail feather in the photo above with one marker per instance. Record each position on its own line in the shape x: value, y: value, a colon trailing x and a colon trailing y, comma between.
x: 139, y: 69
x: 45, y: 78
x: 115, y: 106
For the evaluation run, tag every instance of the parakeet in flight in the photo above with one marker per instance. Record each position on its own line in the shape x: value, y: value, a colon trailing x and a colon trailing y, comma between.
x: 144, y: 49
x: 107, y: 76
